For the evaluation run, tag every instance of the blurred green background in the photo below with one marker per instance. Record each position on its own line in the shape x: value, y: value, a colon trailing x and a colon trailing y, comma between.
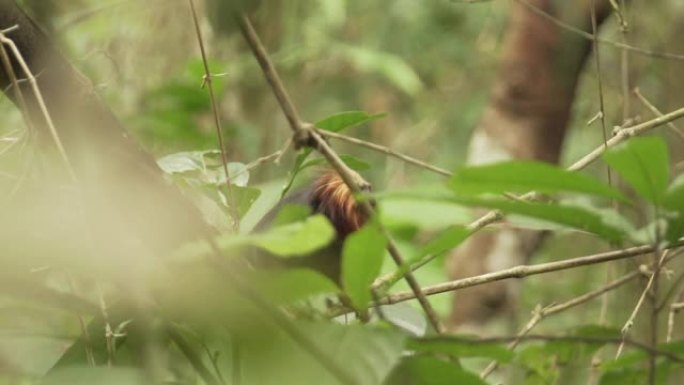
x: 428, y: 64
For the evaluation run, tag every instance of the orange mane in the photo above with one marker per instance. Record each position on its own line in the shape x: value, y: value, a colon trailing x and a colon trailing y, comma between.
x: 331, y: 197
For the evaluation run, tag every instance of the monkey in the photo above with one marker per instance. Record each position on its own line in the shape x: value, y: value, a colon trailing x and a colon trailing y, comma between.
x: 328, y: 195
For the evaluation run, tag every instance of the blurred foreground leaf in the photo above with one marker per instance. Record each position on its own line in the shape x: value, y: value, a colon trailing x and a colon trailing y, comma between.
x: 362, y: 257
x: 524, y: 176
x: 644, y: 163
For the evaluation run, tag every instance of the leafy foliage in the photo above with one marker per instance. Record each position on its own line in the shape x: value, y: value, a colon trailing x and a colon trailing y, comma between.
x: 362, y: 258
x: 199, y: 315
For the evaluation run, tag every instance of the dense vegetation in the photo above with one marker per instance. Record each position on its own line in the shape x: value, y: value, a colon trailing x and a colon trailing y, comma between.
x: 80, y: 305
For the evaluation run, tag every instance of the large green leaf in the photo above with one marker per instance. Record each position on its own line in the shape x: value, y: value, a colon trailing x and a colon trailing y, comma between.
x: 643, y: 163
x: 431, y: 371
x: 362, y: 257
x: 523, y: 176
x: 445, y: 241
x: 291, y: 213
x: 611, y: 228
x: 296, y: 239
x: 418, y: 208
x: 348, y: 119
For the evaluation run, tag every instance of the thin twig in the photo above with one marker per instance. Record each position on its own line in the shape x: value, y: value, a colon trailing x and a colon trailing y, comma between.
x: 599, y: 76
x: 192, y: 356
x: 521, y: 271
x: 14, y: 84
x: 675, y: 288
x: 657, y: 112
x: 549, y: 338
x: 87, y: 341
x: 208, y: 81
x: 109, y: 332
x: 674, y: 309
x: 589, y: 36
x: 621, y: 12
x: 630, y: 321
x: 540, y: 313
x: 306, y: 135
x: 386, y: 151
x: 41, y: 102
x: 624, y: 133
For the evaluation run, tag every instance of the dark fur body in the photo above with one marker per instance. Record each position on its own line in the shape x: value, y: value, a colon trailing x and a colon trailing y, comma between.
x: 327, y: 195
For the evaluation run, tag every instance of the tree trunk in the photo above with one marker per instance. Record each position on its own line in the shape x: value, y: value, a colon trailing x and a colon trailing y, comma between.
x: 526, y: 118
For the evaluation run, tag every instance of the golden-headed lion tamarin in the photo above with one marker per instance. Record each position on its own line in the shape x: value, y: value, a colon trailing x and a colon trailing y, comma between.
x: 330, y: 196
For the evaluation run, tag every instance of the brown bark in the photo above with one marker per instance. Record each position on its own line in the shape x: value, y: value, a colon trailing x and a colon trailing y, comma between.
x: 119, y: 183
x: 526, y: 118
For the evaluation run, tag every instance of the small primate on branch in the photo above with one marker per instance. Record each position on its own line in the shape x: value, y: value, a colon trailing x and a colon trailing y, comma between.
x: 330, y: 196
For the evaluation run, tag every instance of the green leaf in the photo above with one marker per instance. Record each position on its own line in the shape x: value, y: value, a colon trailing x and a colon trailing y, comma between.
x: 632, y: 376
x: 239, y: 174
x: 394, y: 68
x: 576, y: 217
x: 296, y: 168
x: 523, y: 176
x: 634, y: 358
x: 291, y: 213
x: 596, y: 337
x: 406, y: 317
x: 344, y: 120
x: 335, y: 123
x: 632, y: 367
x: 296, y: 239
x: 431, y: 371
x: 244, y: 198
x: 596, y: 331
x: 674, y: 201
x: 419, y: 208
x: 445, y: 241
x: 674, y: 197
x: 643, y: 163
x: 461, y: 347
x: 119, y: 315
x: 362, y: 257
x: 181, y: 162
x: 293, y: 285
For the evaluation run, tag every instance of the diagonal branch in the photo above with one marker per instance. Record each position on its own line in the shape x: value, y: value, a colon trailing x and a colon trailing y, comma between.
x: 209, y: 81
x: 306, y: 135
x: 521, y: 271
